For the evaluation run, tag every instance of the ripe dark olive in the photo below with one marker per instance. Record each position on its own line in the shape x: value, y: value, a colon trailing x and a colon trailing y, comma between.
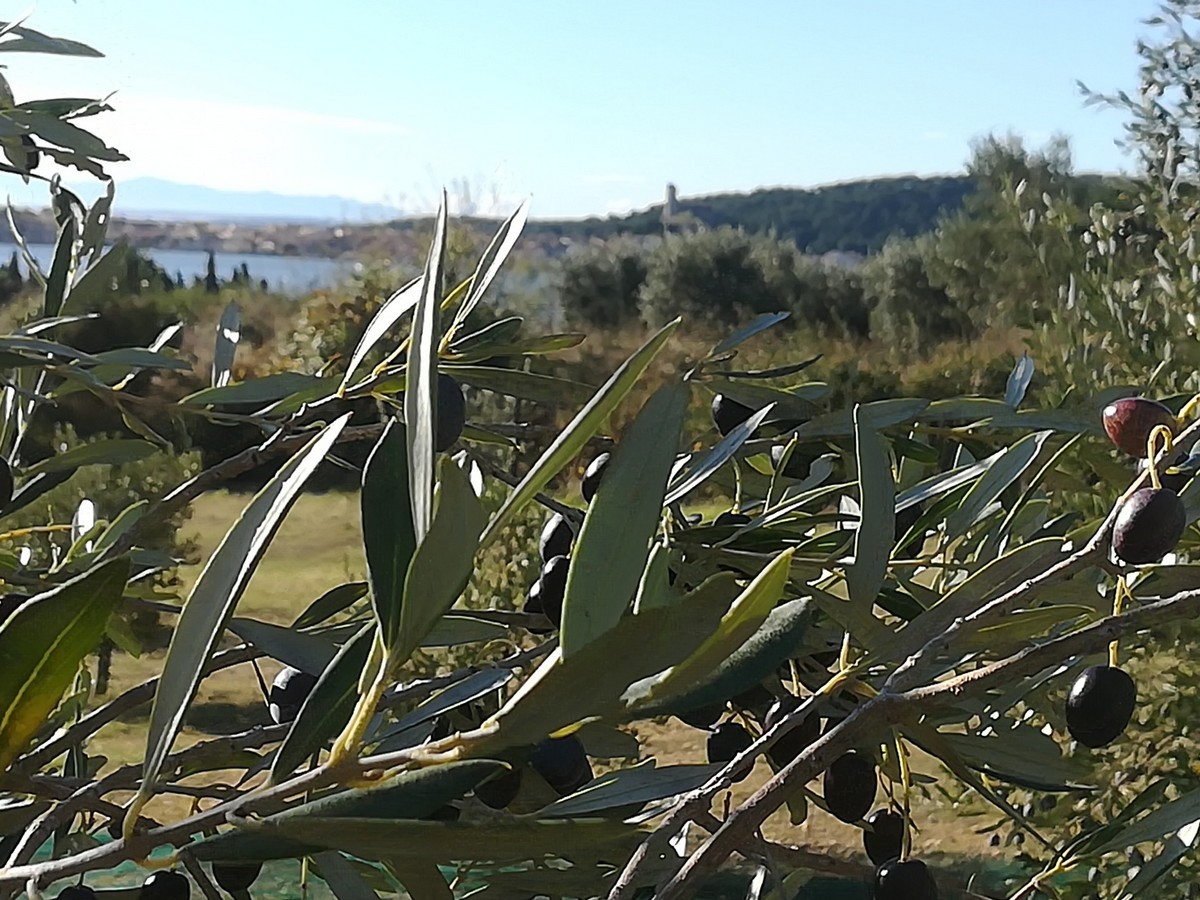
x: 1100, y: 705
x: 726, y: 741
x: 798, y: 464
x: 728, y: 414
x: 6, y: 483
x: 501, y: 790
x: 1148, y: 526
x: 234, y: 877
x: 732, y: 519
x: 563, y: 763
x: 445, y: 813
x: 533, y: 606
x: 906, y: 519
x: 289, y: 690
x: 705, y: 716
x: 850, y: 786
x: 908, y: 880
x: 557, y: 537
x: 792, y: 743
x: 451, y: 413
x: 76, y: 892
x: 166, y: 886
x: 883, y: 838
x: 553, y: 587
x: 756, y: 700
x: 1128, y: 422
x: 592, y: 476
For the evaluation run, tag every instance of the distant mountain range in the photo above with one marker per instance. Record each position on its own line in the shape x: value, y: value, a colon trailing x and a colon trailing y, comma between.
x: 170, y: 201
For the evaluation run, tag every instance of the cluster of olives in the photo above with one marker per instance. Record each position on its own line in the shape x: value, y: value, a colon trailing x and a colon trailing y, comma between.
x: 561, y: 762
x: 1148, y: 526
x: 849, y: 785
x: 545, y: 596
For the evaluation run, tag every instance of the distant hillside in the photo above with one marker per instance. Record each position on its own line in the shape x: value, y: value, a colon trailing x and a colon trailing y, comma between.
x: 856, y: 216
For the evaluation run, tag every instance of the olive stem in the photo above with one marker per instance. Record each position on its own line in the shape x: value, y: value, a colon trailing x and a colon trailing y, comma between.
x: 1160, y: 431
x: 1118, y: 604
x: 1189, y: 410
x: 906, y: 785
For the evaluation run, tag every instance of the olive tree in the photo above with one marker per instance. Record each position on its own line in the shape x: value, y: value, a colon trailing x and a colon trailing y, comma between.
x: 895, y: 575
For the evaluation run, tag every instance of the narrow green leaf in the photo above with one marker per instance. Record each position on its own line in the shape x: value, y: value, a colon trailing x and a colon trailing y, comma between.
x: 62, y: 267
x: 876, y: 523
x: 451, y: 630
x: 42, y: 645
x: 759, y: 324
x: 328, y: 708
x: 880, y: 413
x: 443, y: 562
x: 445, y: 841
x: 610, y: 552
x: 573, y: 438
x: 306, y: 652
x: 30, y: 41
x: 97, y: 453
x: 343, y: 879
x: 329, y: 604
x: 1004, y: 471
x: 626, y: 787
x: 420, y: 392
x: 1018, y: 381
x: 1167, y: 819
x: 491, y: 261
x: 518, y: 383
x: 267, y: 389
x: 389, y: 537
x: 1152, y: 870
x: 99, y: 283
x: 562, y: 692
x: 413, y: 795
x: 95, y: 226
x: 696, y: 473
x: 747, y: 614
x: 215, y: 594
x: 778, y: 639
x: 65, y: 134
x: 391, y: 312
x: 470, y: 688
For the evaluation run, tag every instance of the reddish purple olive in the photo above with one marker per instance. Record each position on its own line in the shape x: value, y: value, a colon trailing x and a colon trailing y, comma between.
x: 1129, y: 421
x: 850, y: 785
x: 1100, y: 705
x: 1148, y: 526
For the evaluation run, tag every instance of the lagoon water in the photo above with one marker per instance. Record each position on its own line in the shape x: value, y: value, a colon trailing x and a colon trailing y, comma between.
x: 286, y: 274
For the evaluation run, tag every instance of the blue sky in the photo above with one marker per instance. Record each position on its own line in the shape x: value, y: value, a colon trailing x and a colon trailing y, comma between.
x: 588, y: 107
